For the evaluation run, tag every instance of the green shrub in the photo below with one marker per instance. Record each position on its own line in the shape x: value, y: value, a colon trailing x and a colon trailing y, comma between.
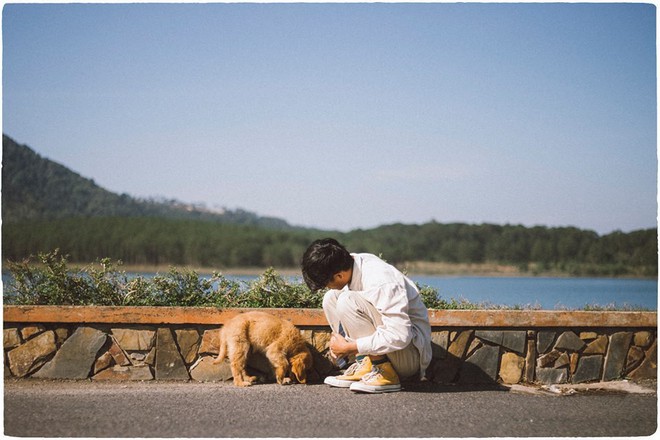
x: 49, y: 281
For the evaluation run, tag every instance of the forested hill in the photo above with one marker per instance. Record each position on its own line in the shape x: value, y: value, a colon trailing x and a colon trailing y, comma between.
x: 36, y: 188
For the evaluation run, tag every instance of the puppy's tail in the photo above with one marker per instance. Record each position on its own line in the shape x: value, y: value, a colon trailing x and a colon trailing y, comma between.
x: 222, y: 347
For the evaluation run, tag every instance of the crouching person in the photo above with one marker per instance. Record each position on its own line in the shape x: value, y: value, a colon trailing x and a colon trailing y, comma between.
x: 376, y: 314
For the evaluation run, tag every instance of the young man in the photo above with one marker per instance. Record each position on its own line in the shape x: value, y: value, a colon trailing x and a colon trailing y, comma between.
x: 384, y: 321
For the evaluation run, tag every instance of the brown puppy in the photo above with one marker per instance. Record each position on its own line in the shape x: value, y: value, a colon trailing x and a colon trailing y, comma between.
x: 277, y: 338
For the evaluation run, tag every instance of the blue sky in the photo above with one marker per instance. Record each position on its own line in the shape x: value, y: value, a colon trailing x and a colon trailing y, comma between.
x: 344, y: 116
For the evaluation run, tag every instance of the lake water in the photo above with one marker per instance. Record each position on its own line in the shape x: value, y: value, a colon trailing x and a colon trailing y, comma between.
x: 543, y: 293
x: 548, y: 293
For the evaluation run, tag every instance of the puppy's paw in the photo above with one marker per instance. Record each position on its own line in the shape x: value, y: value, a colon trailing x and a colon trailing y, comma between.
x: 285, y: 381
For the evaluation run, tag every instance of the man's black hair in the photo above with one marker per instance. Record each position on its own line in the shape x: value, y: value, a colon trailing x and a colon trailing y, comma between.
x: 322, y: 260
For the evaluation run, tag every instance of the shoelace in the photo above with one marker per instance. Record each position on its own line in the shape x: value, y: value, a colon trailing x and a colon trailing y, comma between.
x: 353, y: 368
x: 375, y: 371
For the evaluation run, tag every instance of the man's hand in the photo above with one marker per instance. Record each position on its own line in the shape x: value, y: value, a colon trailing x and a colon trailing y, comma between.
x: 340, y: 347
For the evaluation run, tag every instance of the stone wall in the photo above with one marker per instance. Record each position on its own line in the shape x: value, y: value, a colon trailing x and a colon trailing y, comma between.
x: 102, y: 352
x: 162, y: 348
x: 547, y: 356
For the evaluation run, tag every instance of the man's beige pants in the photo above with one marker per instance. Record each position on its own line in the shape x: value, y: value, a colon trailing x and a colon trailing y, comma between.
x: 359, y: 318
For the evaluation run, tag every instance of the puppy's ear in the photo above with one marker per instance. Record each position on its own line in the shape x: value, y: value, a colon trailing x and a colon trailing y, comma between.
x: 298, y: 367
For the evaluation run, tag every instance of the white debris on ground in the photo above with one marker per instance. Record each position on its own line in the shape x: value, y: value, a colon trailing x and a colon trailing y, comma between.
x: 620, y: 386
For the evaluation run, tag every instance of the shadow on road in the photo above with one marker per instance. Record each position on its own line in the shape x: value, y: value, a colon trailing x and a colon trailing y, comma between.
x: 431, y: 387
x: 447, y: 372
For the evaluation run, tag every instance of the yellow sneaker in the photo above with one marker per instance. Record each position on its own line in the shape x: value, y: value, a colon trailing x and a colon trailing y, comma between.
x: 353, y: 374
x: 381, y: 379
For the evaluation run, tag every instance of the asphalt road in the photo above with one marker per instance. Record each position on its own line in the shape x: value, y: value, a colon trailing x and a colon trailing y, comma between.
x: 35, y: 408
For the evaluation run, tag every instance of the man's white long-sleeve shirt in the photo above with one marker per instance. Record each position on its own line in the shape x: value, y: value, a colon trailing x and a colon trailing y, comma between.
x: 404, y: 315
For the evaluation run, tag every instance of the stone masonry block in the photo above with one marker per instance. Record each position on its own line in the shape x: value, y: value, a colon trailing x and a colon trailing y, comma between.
x: 102, y: 362
x: 648, y: 369
x: 188, y: 340
x: 74, y: 360
x: 569, y: 341
x: 439, y: 344
x: 130, y: 339
x: 510, y: 339
x: 515, y: 341
x: 511, y: 368
x: 210, y: 342
x: 26, y: 358
x: 643, y: 339
x: 562, y: 361
x: 117, y: 353
x: 61, y: 335
x: 544, y: 341
x: 320, y: 340
x: 308, y: 336
x: 574, y: 362
x: 616, y: 355
x: 549, y: 376
x: 460, y: 344
x: 634, y: 358
x: 588, y: 336
x: 530, y: 361
x: 169, y: 363
x: 151, y: 357
x: 597, y: 346
x: 474, y: 346
x: 12, y: 338
x: 548, y: 358
x: 32, y: 330
x: 589, y: 368
x: 138, y: 357
x: 481, y: 367
x: 446, y: 369
x: 204, y: 370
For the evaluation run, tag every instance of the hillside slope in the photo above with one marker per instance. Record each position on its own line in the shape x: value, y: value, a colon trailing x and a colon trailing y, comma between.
x: 36, y: 188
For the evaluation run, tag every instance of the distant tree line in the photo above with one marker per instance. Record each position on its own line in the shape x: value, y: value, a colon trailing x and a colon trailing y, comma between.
x: 158, y: 241
x: 155, y: 241
x: 565, y: 249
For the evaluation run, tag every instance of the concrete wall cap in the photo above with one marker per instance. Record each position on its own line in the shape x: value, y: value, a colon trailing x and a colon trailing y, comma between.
x: 316, y: 317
